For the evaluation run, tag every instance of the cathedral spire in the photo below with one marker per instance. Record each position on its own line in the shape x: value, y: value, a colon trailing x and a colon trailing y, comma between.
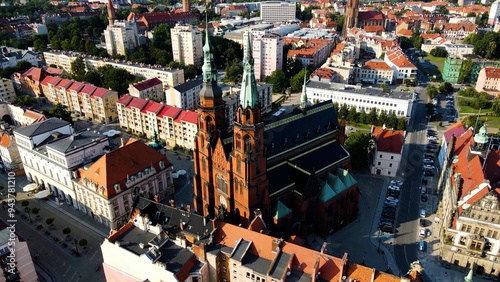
x: 111, y: 13
x: 210, y: 89
x: 303, y: 98
x: 248, y: 93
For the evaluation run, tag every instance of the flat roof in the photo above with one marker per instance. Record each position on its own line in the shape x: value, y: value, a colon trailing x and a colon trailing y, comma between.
x: 378, y: 92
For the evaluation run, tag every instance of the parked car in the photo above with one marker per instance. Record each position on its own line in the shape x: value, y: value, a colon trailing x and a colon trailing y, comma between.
x: 396, y: 182
x: 422, y: 213
x: 421, y: 245
x: 423, y: 198
x: 421, y: 233
x: 422, y: 222
x: 386, y: 229
x: 424, y: 181
x: 428, y: 173
x: 423, y: 190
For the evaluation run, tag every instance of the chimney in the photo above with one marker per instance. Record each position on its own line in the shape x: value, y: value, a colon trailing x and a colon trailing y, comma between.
x: 199, y: 251
x: 204, y: 221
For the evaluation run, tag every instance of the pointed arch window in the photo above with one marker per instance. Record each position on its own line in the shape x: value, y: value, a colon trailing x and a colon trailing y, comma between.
x: 248, y: 143
x: 204, y: 164
x: 238, y: 163
x: 221, y: 184
x: 247, y: 116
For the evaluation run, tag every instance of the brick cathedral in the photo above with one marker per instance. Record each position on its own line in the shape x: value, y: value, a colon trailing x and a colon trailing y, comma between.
x: 290, y: 174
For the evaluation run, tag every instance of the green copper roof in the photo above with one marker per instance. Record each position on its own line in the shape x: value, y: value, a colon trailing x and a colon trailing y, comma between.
x: 346, y: 177
x: 482, y: 136
x: 327, y: 193
x: 337, y: 185
x: 281, y: 210
x: 303, y: 98
x: 209, y: 68
x: 248, y: 93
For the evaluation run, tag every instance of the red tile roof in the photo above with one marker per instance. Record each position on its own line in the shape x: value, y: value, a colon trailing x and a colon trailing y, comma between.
x: 99, y: 92
x: 88, y: 89
x: 76, y: 86
x: 168, y: 111
x: 64, y: 83
x: 258, y: 225
x: 370, y: 15
x: 161, y: 17
x: 145, y: 84
x: 137, y: 103
x: 5, y: 140
x: 456, y: 129
x: 115, y: 166
x: 53, y: 80
x: 187, y: 116
x: 492, y: 72
x: 390, y: 141
x: 376, y: 64
x: 124, y: 100
x: 152, y: 107
x: 35, y: 74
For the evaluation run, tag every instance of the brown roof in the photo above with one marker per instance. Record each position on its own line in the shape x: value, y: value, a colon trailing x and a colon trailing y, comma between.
x: 390, y: 141
x: 126, y: 161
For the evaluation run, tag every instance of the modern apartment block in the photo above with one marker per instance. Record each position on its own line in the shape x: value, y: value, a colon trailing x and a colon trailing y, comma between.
x: 7, y: 91
x: 186, y: 95
x: 121, y: 36
x: 168, y: 76
x: 186, y: 44
x: 276, y: 11
x: 267, y: 51
x: 86, y: 99
x: 172, y: 125
x: 150, y: 89
x: 489, y: 81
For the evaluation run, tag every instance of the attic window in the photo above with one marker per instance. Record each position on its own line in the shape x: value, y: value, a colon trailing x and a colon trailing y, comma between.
x: 139, y: 175
x: 146, y: 171
x: 92, y: 185
x: 84, y: 181
x: 101, y: 190
x: 162, y: 165
x: 117, y: 188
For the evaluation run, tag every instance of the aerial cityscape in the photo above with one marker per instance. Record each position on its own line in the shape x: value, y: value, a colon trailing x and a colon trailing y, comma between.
x: 250, y: 141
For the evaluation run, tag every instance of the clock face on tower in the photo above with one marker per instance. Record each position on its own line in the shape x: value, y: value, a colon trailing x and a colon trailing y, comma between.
x: 223, y: 202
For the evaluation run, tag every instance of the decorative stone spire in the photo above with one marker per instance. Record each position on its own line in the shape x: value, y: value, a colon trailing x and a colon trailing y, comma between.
x: 248, y: 94
x: 210, y: 88
x: 303, y: 98
x: 111, y: 13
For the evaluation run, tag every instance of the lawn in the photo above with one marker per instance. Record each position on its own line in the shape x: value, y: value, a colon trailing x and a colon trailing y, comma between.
x: 437, y: 60
x: 358, y: 125
x: 467, y: 110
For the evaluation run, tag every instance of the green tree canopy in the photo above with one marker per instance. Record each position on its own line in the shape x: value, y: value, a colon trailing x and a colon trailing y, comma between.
x: 439, y: 52
x: 78, y: 69
x: 60, y: 111
x: 358, y: 146
x: 432, y: 91
x: 24, y: 101
x: 278, y: 80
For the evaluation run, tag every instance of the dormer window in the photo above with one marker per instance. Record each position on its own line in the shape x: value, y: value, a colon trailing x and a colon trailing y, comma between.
x: 84, y: 181
x: 101, y: 190
x: 146, y: 171
x: 162, y: 165
x: 92, y: 185
x: 132, y: 178
x: 139, y: 175
x: 117, y: 188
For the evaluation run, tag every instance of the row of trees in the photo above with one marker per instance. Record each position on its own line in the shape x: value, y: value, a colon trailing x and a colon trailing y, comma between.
x: 352, y: 115
x: 485, y: 45
x: 481, y: 100
x: 293, y: 77
x: 443, y: 89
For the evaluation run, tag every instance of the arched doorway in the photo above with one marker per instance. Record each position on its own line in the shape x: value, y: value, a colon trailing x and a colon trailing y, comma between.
x: 8, y: 119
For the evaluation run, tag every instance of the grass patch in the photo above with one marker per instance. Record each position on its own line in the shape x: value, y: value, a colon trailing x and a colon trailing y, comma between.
x: 437, y: 60
x: 467, y: 110
x: 358, y: 125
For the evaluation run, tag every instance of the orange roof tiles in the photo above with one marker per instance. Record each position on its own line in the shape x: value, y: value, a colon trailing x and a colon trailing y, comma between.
x: 405, y: 32
x: 492, y: 72
x: 390, y: 141
x: 32, y: 114
x: 5, y: 140
x: 375, y: 64
x: 375, y: 28
x: 398, y: 58
x: 115, y: 166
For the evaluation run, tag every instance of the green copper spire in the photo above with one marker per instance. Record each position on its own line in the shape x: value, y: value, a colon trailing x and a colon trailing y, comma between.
x: 303, y: 98
x: 209, y: 67
x: 482, y: 136
x: 248, y: 94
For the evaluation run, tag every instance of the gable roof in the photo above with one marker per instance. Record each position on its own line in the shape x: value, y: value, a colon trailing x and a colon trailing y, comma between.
x: 390, y: 141
x: 456, y: 129
x: 116, y: 166
x: 145, y: 84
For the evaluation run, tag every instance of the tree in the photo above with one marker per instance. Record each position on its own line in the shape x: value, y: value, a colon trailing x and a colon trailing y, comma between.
x: 66, y: 231
x: 93, y: 77
x: 162, y: 38
x: 382, y: 118
x: 402, y: 123
x: 417, y: 41
x: 495, y: 107
x: 353, y: 115
x: 439, y: 52
x: 78, y: 69
x: 234, y: 72
x: 362, y: 116
x: 383, y: 86
x: 471, y: 15
x: 392, y: 122
x: 340, y: 22
x: 297, y: 80
x: 443, y: 10
x: 432, y: 91
x: 191, y: 71
x: 445, y: 88
x: 116, y: 79
x: 465, y: 71
x: 344, y: 110
x: 358, y: 145
x: 60, y: 111
x: 372, y: 117
x: 25, y: 101
x: 278, y: 80
x: 293, y: 67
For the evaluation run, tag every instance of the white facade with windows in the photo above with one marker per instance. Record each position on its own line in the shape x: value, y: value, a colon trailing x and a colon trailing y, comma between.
x: 385, y: 163
x: 276, y: 11
x: 401, y: 103
x: 120, y: 37
x: 187, y: 45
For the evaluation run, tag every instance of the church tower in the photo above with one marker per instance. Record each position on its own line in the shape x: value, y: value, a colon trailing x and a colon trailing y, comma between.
x: 111, y: 13
x: 250, y: 189
x: 351, y: 16
x: 211, y: 125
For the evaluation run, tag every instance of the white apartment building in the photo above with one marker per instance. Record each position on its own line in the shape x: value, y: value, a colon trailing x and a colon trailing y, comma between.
x: 168, y: 76
x: 120, y: 36
x: 7, y: 91
x: 494, y: 12
x: 389, y: 146
x: 185, y: 96
x: 267, y: 51
x: 403, y: 68
x: 398, y: 102
x: 51, y: 152
x: 10, y: 56
x: 458, y: 50
x: 150, y: 89
x: 374, y: 72
x: 276, y: 11
x: 187, y: 44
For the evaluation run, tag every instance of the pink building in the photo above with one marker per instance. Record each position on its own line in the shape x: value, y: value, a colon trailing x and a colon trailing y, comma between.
x: 267, y: 51
x: 489, y: 81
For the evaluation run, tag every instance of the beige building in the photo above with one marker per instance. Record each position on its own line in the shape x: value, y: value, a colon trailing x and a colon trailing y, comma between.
x: 171, y: 124
x: 149, y: 89
x: 121, y: 36
x: 20, y: 115
x: 489, y: 80
x: 105, y: 188
x: 374, y: 72
x: 187, y: 44
x: 168, y: 76
x: 82, y: 98
x: 7, y: 92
